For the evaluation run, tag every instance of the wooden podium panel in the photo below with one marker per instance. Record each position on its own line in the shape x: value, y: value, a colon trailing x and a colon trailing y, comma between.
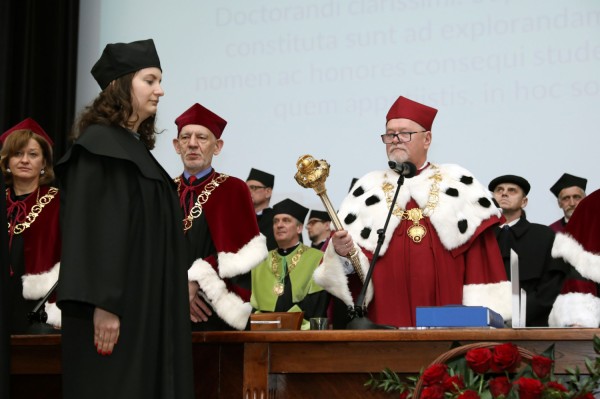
x: 330, y: 364
x: 304, y: 364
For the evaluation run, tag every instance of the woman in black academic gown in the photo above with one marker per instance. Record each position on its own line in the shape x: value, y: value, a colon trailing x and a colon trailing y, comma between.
x: 32, y: 206
x: 123, y: 280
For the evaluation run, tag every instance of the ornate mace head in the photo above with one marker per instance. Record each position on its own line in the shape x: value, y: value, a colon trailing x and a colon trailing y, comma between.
x: 311, y: 173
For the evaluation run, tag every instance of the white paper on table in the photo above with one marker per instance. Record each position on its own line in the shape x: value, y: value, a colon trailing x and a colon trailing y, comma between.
x: 523, y: 308
x: 518, y: 295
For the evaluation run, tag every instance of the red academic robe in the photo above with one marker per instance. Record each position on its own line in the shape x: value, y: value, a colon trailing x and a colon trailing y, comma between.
x: 457, y: 262
x: 579, y: 246
x: 558, y: 226
x: 224, y: 243
x: 34, y: 253
x: 427, y: 274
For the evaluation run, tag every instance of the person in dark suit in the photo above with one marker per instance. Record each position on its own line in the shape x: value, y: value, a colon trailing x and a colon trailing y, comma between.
x: 318, y: 228
x: 540, y: 275
x: 261, y: 186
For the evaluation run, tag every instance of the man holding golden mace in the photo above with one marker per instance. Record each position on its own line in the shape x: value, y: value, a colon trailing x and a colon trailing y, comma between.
x: 440, y: 247
x: 312, y: 174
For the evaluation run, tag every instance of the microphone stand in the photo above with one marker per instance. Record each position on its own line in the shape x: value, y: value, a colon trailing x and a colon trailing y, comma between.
x: 358, y: 313
x: 38, y: 314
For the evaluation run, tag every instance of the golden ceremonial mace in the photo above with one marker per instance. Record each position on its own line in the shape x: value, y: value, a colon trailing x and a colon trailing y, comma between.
x: 312, y: 174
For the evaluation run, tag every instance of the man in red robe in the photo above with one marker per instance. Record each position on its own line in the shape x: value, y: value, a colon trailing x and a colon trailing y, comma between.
x: 579, y: 304
x: 219, y: 223
x: 439, y: 248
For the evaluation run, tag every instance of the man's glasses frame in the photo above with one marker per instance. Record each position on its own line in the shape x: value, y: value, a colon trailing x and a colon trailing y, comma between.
x: 402, y: 137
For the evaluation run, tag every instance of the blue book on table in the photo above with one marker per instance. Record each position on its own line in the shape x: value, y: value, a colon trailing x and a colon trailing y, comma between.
x: 458, y: 316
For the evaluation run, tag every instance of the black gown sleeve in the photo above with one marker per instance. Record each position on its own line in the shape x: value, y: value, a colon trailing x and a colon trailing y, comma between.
x: 97, y: 221
x: 542, y: 294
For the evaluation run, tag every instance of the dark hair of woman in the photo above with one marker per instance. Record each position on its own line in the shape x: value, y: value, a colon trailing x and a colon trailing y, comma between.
x: 15, y: 143
x: 113, y: 106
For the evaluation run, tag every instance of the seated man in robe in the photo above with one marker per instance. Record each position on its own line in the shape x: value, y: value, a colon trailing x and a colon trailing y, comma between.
x: 283, y: 282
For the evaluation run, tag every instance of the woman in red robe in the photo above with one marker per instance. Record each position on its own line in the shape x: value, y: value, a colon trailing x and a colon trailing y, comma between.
x: 32, y: 206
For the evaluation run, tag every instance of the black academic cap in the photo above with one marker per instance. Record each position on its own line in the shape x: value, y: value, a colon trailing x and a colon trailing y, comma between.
x: 292, y: 208
x: 518, y: 180
x: 265, y: 178
x: 119, y: 59
x: 321, y: 215
x: 567, y: 180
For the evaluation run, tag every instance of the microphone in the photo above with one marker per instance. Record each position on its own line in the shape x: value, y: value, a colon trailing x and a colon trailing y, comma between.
x: 406, y: 169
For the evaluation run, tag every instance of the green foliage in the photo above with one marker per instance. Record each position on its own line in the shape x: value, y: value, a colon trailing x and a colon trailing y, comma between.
x: 388, y: 381
x: 580, y: 384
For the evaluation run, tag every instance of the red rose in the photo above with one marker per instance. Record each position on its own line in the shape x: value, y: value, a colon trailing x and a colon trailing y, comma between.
x: 453, y: 384
x: 404, y: 394
x: 435, y: 374
x: 433, y: 392
x: 468, y: 394
x: 541, y: 366
x: 529, y: 388
x: 499, y: 386
x: 506, y: 357
x: 557, y: 386
x: 479, y: 359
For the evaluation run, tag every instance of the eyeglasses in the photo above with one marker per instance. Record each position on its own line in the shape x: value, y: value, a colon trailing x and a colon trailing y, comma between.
x: 254, y: 188
x: 402, y: 137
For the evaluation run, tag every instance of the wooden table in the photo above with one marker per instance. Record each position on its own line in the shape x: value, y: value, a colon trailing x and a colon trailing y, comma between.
x: 312, y: 364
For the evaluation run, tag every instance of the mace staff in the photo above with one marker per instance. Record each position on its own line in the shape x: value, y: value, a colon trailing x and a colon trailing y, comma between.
x: 312, y: 174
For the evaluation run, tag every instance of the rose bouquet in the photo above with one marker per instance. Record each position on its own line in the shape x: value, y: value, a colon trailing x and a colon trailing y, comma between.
x: 488, y: 371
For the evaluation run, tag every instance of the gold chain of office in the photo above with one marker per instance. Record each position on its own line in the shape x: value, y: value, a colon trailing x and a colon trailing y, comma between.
x: 35, y: 210
x: 196, y: 210
x: 280, y: 283
x: 417, y: 231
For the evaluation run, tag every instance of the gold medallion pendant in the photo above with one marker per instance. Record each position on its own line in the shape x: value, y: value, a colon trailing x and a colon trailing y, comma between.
x: 278, y: 289
x: 416, y: 232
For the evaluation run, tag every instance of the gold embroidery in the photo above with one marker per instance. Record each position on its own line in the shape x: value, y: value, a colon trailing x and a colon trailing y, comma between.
x: 196, y: 210
x: 280, y: 284
x: 417, y: 231
x: 35, y: 210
